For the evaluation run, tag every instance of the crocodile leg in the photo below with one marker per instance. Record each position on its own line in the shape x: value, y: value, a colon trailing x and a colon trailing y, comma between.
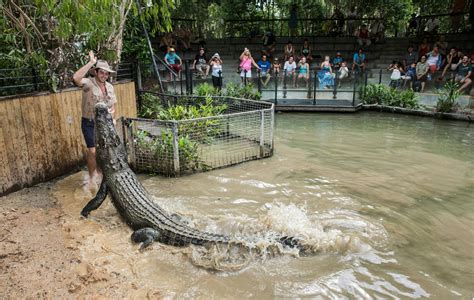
x: 97, y: 200
x: 146, y: 236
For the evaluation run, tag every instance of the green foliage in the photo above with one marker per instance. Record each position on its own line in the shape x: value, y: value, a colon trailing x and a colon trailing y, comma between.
x: 205, y: 89
x: 150, y: 106
x: 384, y: 95
x: 162, y: 149
x: 447, y: 97
x: 246, y: 92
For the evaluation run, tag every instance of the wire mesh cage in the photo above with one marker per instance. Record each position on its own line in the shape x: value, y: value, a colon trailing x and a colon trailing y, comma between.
x: 229, y: 131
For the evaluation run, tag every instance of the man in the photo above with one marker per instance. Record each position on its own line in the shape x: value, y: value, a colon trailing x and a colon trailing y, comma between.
x: 94, y: 90
x: 170, y: 58
x: 410, y: 57
x: 463, y: 73
x: 200, y: 63
x: 264, y: 65
x: 363, y: 36
x: 358, y: 63
x: 269, y: 43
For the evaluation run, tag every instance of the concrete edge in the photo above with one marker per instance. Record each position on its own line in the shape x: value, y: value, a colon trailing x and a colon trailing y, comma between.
x: 417, y: 112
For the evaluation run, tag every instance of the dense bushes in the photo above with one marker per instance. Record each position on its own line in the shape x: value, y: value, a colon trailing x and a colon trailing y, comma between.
x: 384, y: 95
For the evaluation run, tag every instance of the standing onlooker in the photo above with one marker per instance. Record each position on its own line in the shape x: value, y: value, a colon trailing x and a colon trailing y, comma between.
x: 325, y: 76
x: 216, y: 67
x: 363, y: 36
x: 94, y: 90
x: 303, y: 71
x: 410, y: 57
x: 422, y: 70
x: 200, y: 63
x: 358, y: 64
x: 171, y: 59
x: 290, y: 69
x: 269, y: 44
x: 246, y: 62
x: 265, y: 66
x: 288, y: 50
x: 463, y: 72
x: 293, y: 22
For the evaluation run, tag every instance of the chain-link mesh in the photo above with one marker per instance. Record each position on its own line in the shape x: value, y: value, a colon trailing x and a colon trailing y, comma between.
x: 242, y: 131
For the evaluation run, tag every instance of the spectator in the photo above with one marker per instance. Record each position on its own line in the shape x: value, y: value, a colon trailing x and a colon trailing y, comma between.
x: 463, y: 73
x: 452, y: 61
x: 396, y: 75
x: 424, y: 47
x: 200, y: 63
x: 378, y: 32
x: 434, y: 60
x: 351, y: 21
x: 171, y: 59
x: 325, y: 76
x: 358, y: 64
x: 337, y: 61
x: 289, y: 50
x: 246, y: 62
x: 410, y: 75
x: 412, y: 25
x: 363, y: 36
x: 216, y: 67
x: 422, y: 70
x: 303, y: 71
x: 265, y: 66
x: 184, y: 38
x: 343, y: 73
x: 410, y: 57
x: 290, y: 69
x: 432, y: 26
x: 442, y: 46
x: 306, y: 51
x: 276, y: 68
x: 269, y: 44
x: 293, y: 22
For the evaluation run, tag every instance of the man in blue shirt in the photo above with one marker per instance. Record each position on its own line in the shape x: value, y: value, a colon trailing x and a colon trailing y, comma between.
x: 264, y: 65
x: 170, y: 58
x: 359, y: 61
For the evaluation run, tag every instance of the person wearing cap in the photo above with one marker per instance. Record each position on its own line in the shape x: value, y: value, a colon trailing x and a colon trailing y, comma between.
x: 94, y: 90
x: 216, y: 67
x: 337, y: 61
x: 171, y: 59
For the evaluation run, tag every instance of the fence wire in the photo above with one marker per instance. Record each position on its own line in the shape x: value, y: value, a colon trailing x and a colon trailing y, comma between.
x: 242, y: 132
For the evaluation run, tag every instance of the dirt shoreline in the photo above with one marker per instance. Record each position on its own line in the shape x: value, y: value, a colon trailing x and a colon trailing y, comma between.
x: 40, y: 253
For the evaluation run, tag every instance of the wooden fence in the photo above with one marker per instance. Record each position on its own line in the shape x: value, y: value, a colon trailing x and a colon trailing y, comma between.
x: 41, y: 138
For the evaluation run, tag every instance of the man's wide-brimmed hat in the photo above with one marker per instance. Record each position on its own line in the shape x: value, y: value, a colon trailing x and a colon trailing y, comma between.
x: 102, y: 64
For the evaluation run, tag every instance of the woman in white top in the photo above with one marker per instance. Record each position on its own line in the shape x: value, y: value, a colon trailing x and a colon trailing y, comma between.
x: 216, y: 71
x: 289, y: 69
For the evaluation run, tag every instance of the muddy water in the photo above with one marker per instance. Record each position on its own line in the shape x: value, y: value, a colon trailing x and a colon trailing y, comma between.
x: 385, y: 201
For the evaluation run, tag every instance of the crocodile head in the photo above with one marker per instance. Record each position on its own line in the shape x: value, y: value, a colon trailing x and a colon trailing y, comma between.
x: 110, y: 152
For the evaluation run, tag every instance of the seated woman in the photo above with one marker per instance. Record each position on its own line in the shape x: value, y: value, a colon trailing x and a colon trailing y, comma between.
x: 424, y: 47
x: 289, y: 69
x: 289, y: 50
x: 434, y: 60
x: 325, y: 76
x: 303, y: 71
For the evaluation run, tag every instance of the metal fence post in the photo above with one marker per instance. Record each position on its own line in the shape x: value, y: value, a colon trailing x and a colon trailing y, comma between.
x: 334, y: 91
x: 181, y: 81
x: 277, y: 77
x: 365, y: 78
x: 139, y: 77
x: 187, y: 76
x: 353, y: 93
x: 314, y: 87
x: 310, y: 80
x: 284, y: 83
x: 380, y: 76
x: 245, y: 77
x: 174, y: 130
x: 259, y: 81
x: 262, y: 133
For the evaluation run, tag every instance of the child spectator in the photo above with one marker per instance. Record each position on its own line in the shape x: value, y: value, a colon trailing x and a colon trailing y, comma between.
x: 276, y: 67
x: 343, y: 73
x: 410, y: 75
x: 290, y: 69
x: 303, y: 71
x: 265, y: 66
x: 396, y: 75
x: 171, y: 59
x: 337, y: 61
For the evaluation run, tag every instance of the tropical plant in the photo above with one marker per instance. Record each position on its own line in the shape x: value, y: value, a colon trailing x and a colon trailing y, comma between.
x: 150, y: 106
x: 447, y: 97
x: 384, y: 95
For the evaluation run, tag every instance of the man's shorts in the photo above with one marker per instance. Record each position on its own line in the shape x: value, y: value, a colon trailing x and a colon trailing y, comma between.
x: 87, y: 126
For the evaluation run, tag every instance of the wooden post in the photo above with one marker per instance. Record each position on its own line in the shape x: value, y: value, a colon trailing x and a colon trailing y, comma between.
x: 175, y: 148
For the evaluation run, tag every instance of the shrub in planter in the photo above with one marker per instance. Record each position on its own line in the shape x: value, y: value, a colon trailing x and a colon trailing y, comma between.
x: 447, y: 97
x: 384, y: 95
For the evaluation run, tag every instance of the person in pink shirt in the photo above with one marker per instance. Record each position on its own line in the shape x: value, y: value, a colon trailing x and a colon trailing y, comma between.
x: 246, y: 62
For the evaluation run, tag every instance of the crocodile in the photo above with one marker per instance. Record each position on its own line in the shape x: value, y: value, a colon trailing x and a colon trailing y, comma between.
x: 149, y: 221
